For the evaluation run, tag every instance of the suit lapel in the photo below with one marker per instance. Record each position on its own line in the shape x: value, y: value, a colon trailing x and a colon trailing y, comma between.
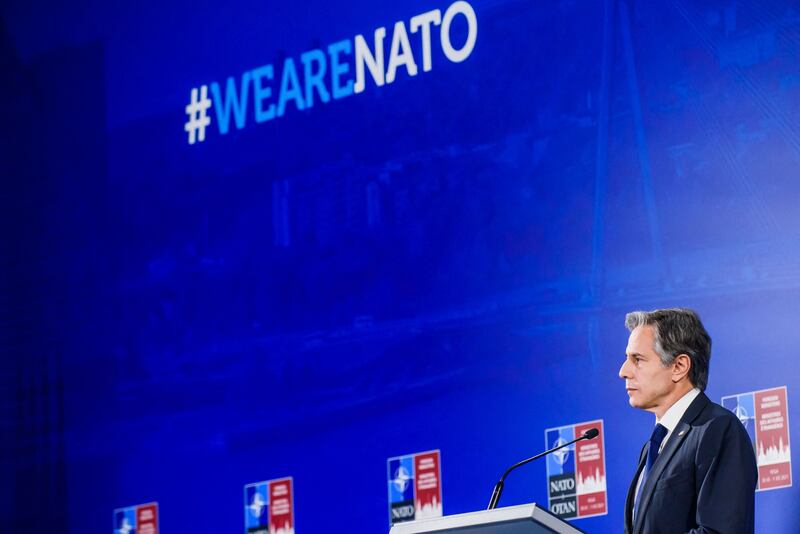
x: 632, y: 491
x: 675, y: 440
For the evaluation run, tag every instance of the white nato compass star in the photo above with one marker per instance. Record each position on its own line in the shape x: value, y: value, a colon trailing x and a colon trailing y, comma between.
x: 125, y: 527
x: 561, y: 454
x: 257, y: 505
x: 401, y: 479
x: 742, y: 414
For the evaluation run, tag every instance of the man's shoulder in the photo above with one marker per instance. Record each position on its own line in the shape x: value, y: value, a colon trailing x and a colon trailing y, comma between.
x: 716, y: 418
x: 713, y: 412
x: 716, y: 411
x: 717, y: 428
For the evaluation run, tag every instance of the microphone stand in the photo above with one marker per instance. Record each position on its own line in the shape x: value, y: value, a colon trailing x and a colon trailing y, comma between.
x: 498, y: 488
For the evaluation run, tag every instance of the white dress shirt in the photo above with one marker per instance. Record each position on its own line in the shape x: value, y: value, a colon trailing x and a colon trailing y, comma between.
x: 670, y: 420
x: 673, y: 416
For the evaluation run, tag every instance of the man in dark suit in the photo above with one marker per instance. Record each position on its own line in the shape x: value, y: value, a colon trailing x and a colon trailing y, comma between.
x: 697, y: 473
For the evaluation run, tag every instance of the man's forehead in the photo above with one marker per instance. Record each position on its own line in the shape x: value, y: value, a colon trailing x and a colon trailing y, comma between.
x: 640, y: 340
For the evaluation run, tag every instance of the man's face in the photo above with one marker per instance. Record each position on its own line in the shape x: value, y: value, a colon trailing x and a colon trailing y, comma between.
x: 648, y: 382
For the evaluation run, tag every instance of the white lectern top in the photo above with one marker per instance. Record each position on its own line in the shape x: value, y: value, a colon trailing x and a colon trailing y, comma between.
x: 522, y: 519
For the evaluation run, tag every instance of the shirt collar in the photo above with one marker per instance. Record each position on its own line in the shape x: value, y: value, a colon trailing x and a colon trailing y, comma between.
x: 673, y: 415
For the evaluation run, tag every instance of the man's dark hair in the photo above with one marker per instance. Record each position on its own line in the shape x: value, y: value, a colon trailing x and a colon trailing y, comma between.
x: 677, y: 331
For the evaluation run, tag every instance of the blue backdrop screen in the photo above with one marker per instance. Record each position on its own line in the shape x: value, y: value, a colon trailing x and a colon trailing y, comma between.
x: 338, y: 268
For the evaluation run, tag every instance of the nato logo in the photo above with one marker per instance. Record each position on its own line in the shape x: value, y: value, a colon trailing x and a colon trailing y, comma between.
x: 563, y: 460
x: 745, y: 410
x: 256, y: 507
x: 125, y: 521
x: 401, y: 485
x: 401, y: 489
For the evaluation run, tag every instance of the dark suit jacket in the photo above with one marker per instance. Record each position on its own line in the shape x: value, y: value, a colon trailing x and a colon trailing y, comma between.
x: 703, y: 481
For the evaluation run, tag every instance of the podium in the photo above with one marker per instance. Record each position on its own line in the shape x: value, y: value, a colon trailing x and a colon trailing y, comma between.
x: 522, y: 519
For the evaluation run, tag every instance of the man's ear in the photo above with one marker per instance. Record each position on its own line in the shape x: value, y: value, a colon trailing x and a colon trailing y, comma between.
x: 681, y: 367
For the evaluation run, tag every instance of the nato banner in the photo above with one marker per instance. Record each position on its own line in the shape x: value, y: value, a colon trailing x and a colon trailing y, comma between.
x: 765, y: 415
x: 415, y: 488
x: 268, y: 507
x: 576, y: 475
x: 139, y: 519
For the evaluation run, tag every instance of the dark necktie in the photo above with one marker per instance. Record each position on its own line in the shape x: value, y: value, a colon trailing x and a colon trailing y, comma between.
x: 652, y: 453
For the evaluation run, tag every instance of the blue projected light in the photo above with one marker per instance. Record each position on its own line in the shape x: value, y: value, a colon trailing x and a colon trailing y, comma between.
x: 292, y: 239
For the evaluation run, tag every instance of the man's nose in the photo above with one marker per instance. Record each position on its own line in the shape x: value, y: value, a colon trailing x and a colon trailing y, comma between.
x: 623, y: 370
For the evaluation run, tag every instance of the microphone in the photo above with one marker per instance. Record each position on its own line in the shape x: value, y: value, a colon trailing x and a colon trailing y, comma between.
x: 498, y: 488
